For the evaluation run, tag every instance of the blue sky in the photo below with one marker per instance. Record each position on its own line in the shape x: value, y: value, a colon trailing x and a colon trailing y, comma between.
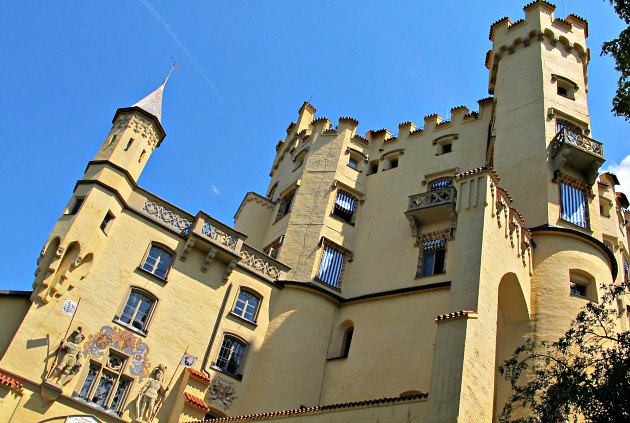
x: 246, y: 67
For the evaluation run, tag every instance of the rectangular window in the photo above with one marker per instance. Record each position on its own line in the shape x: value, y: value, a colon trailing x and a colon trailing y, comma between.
x: 353, y: 163
x: 626, y: 270
x: 433, y: 257
x: 331, y: 266
x: 577, y: 289
x: 573, y: 206
x: 106, y: 222
x: 77, y: 206
x: 345, y: 206
x: 440, y: 184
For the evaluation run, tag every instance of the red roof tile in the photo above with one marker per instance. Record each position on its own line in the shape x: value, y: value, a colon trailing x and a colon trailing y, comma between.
x: 11, y: 383
x: 303, y: 410
x: 196, y: 402
x: 454, y: 315
x: 200, y: 376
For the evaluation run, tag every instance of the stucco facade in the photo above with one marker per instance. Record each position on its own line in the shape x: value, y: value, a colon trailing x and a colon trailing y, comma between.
x: 380, y: 278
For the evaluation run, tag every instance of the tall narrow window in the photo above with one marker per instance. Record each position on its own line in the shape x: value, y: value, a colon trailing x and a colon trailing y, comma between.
x: 345, y: 206
x: 158, y: 261
x: 285, y: 204
x: 137, y: 310
x: 129, y: 144
x: 331, y: 265
x: 626, y: 270
x: 231, y: 355
x: 573, y: 206
x: 347, y: 340
x: 247, y: 305
x: 105, y: 385
x: 106, y: 223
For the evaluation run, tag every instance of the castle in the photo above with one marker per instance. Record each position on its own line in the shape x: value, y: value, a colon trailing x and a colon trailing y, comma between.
x: 380, y: 278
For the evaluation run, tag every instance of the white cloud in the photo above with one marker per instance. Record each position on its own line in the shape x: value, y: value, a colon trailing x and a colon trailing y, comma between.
x: 215, y: 190
x: 622, y: 170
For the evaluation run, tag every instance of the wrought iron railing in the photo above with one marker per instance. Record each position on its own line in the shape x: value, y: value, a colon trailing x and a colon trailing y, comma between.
x: 432, y: 198
x: 567, y: 136
x: 165, y: 215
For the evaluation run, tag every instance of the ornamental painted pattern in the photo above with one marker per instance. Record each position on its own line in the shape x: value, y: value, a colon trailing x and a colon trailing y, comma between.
x: 124, y: 341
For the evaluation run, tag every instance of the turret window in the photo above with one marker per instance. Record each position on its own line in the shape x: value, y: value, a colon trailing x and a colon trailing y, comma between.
x: 76, y: 206
x: 345, y: 206
x: 332, y: 264
x: 564, y: 86
x: 573, y: 200
x: 285, y: 204
x: 573, y: 205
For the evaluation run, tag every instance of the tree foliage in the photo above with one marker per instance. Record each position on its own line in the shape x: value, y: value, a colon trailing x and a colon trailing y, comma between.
x: 619, y: 49
x: 583, y: 375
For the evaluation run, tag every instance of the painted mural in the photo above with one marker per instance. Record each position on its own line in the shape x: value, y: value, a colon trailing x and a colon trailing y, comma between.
x: 121, y: 340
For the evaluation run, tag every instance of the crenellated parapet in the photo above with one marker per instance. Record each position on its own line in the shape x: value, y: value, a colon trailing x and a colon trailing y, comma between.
x: 509, y: 36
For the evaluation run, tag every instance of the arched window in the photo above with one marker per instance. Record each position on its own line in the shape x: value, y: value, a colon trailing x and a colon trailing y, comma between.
x: 138, y: 309
x: 231, y: 356
x: 158, y: 261
x: 247, y: 305
x: 347, y: 340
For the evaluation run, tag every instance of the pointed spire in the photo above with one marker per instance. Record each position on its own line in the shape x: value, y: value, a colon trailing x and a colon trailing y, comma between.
x: 153, y: 102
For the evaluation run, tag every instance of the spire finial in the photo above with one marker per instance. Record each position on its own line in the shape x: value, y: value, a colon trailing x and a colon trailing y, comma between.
x: 153, y: 102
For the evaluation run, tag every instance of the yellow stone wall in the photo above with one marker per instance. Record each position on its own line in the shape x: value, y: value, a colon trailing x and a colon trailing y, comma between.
x: 506, y: 276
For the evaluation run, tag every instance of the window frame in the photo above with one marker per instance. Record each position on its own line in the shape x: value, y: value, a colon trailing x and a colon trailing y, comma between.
x: 568, y: 187
x: 283, y: 207
x: 343, y: 256
x: 563, y: 83
x: 238, y: 373
x: 165, y: 249
x: 118, y: 376
x: 342, y: 213
x: 77, y: 204
x: 433, y: 238
x: 149, y: 315
x: 253, y: 293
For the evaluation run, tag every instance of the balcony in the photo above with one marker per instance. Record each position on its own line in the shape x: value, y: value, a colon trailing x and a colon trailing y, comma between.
x: 431, y: 207
x: 572, y: 149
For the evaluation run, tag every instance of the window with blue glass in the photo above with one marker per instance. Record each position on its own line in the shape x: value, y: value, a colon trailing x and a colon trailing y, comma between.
x: 247, y: 305
x: 345, y: 206
x: 158, y: 261
x: 440, y: 184
x: 432, y: 258
x: 331, y: 265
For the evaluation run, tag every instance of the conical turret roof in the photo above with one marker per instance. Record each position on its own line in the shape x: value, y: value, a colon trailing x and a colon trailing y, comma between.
x: 153, y: 102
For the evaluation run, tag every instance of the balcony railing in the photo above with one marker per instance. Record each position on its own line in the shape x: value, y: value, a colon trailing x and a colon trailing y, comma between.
x: 570, y: 148
x: 220, y: 233
x: 432, y: 198
x: 168, y: 215
x: 567, y: 136
x: 261, y: 262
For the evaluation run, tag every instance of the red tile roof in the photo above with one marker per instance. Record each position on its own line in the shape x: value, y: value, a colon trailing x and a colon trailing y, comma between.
x: 11, y: 383
x: 303, y: 410
x: 196, y: 402
x: 200, y: 376
x: 454, y: 315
